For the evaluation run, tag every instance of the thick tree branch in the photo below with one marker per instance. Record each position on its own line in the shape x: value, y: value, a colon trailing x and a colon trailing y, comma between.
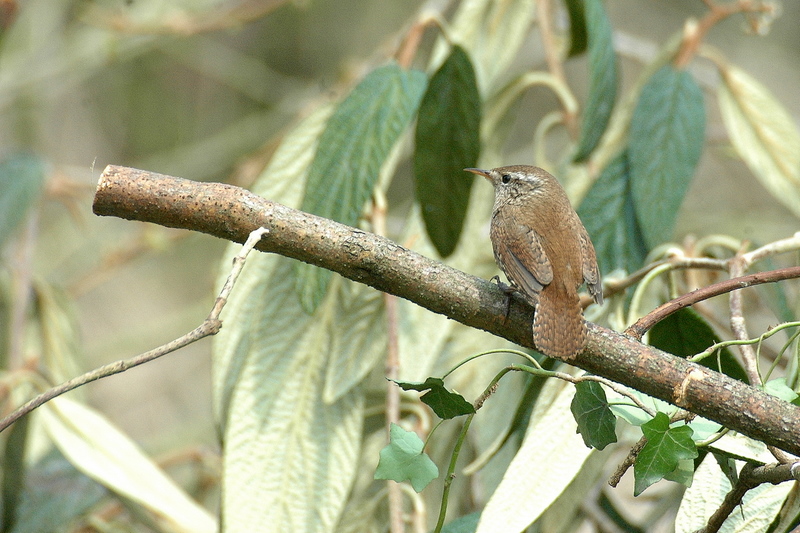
x: 231, y: 213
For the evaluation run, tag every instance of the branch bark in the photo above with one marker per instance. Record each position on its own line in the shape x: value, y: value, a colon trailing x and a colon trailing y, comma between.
x: 231, y: 213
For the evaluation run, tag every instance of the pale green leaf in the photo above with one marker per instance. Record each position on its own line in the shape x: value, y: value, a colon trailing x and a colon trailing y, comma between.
x: 356, y: 142
x: 763, y: 133
x: 666, y: 139
x: 602, y: 79
x: 759, y: 508
x: 551, y: 455
x: 491, y: 31
x: 21, y: 180
x: 102, y: 452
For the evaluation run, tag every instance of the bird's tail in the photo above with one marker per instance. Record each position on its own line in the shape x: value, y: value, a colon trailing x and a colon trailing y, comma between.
x: 558, y: 326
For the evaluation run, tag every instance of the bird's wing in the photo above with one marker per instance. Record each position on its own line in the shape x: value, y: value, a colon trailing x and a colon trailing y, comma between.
x: 591, y: 274
x: 523, y: 259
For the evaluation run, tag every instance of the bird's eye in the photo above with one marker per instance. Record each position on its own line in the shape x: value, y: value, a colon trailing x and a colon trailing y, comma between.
x: 506, y: 178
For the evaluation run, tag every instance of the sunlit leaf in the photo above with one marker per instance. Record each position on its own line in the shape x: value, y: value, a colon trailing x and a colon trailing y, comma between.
x: 539, y: 473
x: 447, y: 140
x: 108, y: 456
x: 356, y: 141
x: 21, y: 180
x: 403, y: 459
x: 763, y: 133
x: 596, y: 422
x: 665, y: 447
x: 608, y: 214
x: 778, y: 387
x: 602, y: 79
x: 665, y: 142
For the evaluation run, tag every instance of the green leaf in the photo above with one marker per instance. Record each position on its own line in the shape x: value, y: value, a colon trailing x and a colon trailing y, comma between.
x: 105, y: 454
x: 607, y: 212
x: 686, y: 333
x: 602, y: 79
x: 665, y: 143
x: 447, y: 140
x: 596, y: 422
x: 14, y: 471
x: 463, y: 524
x: 402, y: 459
x: 577, y: 28
x: 444, y: 403
x: 357, y: 139
x: 778, y: 387
x: 291, y: 437
x: 763, y: 133
x: 21, y: 180
x: 665, y: 448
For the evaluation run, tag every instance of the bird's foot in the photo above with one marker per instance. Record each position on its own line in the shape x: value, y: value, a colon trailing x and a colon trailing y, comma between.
x: 508, y: 290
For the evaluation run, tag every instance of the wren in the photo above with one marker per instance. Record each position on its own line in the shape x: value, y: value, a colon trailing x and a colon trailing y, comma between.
x: 545, y: 252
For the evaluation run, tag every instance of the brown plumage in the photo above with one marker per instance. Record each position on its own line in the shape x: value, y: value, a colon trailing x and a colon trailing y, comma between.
x: 542, y: 247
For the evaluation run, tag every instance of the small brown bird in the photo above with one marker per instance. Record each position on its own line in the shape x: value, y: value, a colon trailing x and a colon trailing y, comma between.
x: 542, y: 247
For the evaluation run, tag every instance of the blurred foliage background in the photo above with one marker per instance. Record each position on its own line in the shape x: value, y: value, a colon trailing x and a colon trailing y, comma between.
x: 203, y: 90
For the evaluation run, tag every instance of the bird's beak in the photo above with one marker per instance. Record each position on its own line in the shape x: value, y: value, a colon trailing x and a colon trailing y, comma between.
x: 484, y: 173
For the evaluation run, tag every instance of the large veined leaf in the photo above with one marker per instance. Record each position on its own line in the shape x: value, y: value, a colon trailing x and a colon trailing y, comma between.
x: 102, y: 452
x: 602, y: 78
x: 763, y: 133
x: 21, y: 180
x: 665, y: 142
x: 287, y: 389
x: 551, y: 455
x: 447, y: 140
x: 760, y: 505
x: 357, y: 140
x: 608, y: 214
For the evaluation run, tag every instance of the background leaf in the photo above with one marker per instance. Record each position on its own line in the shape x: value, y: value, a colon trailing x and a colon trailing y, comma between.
x: 686, y: 333
x: 577, y: 27
x: 447, y: 140
x: 596, y: 422
x: 356, y: 141
x: 602, y: 78
x: 665, y: 143
x: 21, y: 180
x: 609, y: 216
x: 764, y: 135
x: 665, y: 448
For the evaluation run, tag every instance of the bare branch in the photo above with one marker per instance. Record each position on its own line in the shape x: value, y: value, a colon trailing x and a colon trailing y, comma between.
x: 231, y: 213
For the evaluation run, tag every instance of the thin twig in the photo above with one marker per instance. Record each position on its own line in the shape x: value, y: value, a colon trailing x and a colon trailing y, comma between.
x: 642, y: 325
x: 210, y: 326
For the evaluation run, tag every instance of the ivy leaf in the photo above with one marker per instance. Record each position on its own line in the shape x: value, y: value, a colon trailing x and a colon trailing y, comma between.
x: 602, y: 79
x: 686, y: 333
x: 665, y: 448
x: 21, y: 180
x: 447, y: 140
x: 357, y: 139
x: 444, y: 403
x: 607, y: 212
x: 666, y: 140
x: 402, y: 459
x: 596, y: 422
x: 778, y: 387
x: 763, y: 133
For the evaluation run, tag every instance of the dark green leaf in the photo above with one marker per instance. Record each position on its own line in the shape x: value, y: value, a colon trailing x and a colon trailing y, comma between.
x: 21, y: 180
x: 602, y: 79
x: 447, y: 140
x: 665, y: 447
x: 686, y: 333
x: 577, y: 27
x: 356, y: 141
x: 444, y: 403
x: 596, y: 422
x: 402, y: 459
x: 14, y: 468
x: 666, y: 140
x: 608, y: 214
